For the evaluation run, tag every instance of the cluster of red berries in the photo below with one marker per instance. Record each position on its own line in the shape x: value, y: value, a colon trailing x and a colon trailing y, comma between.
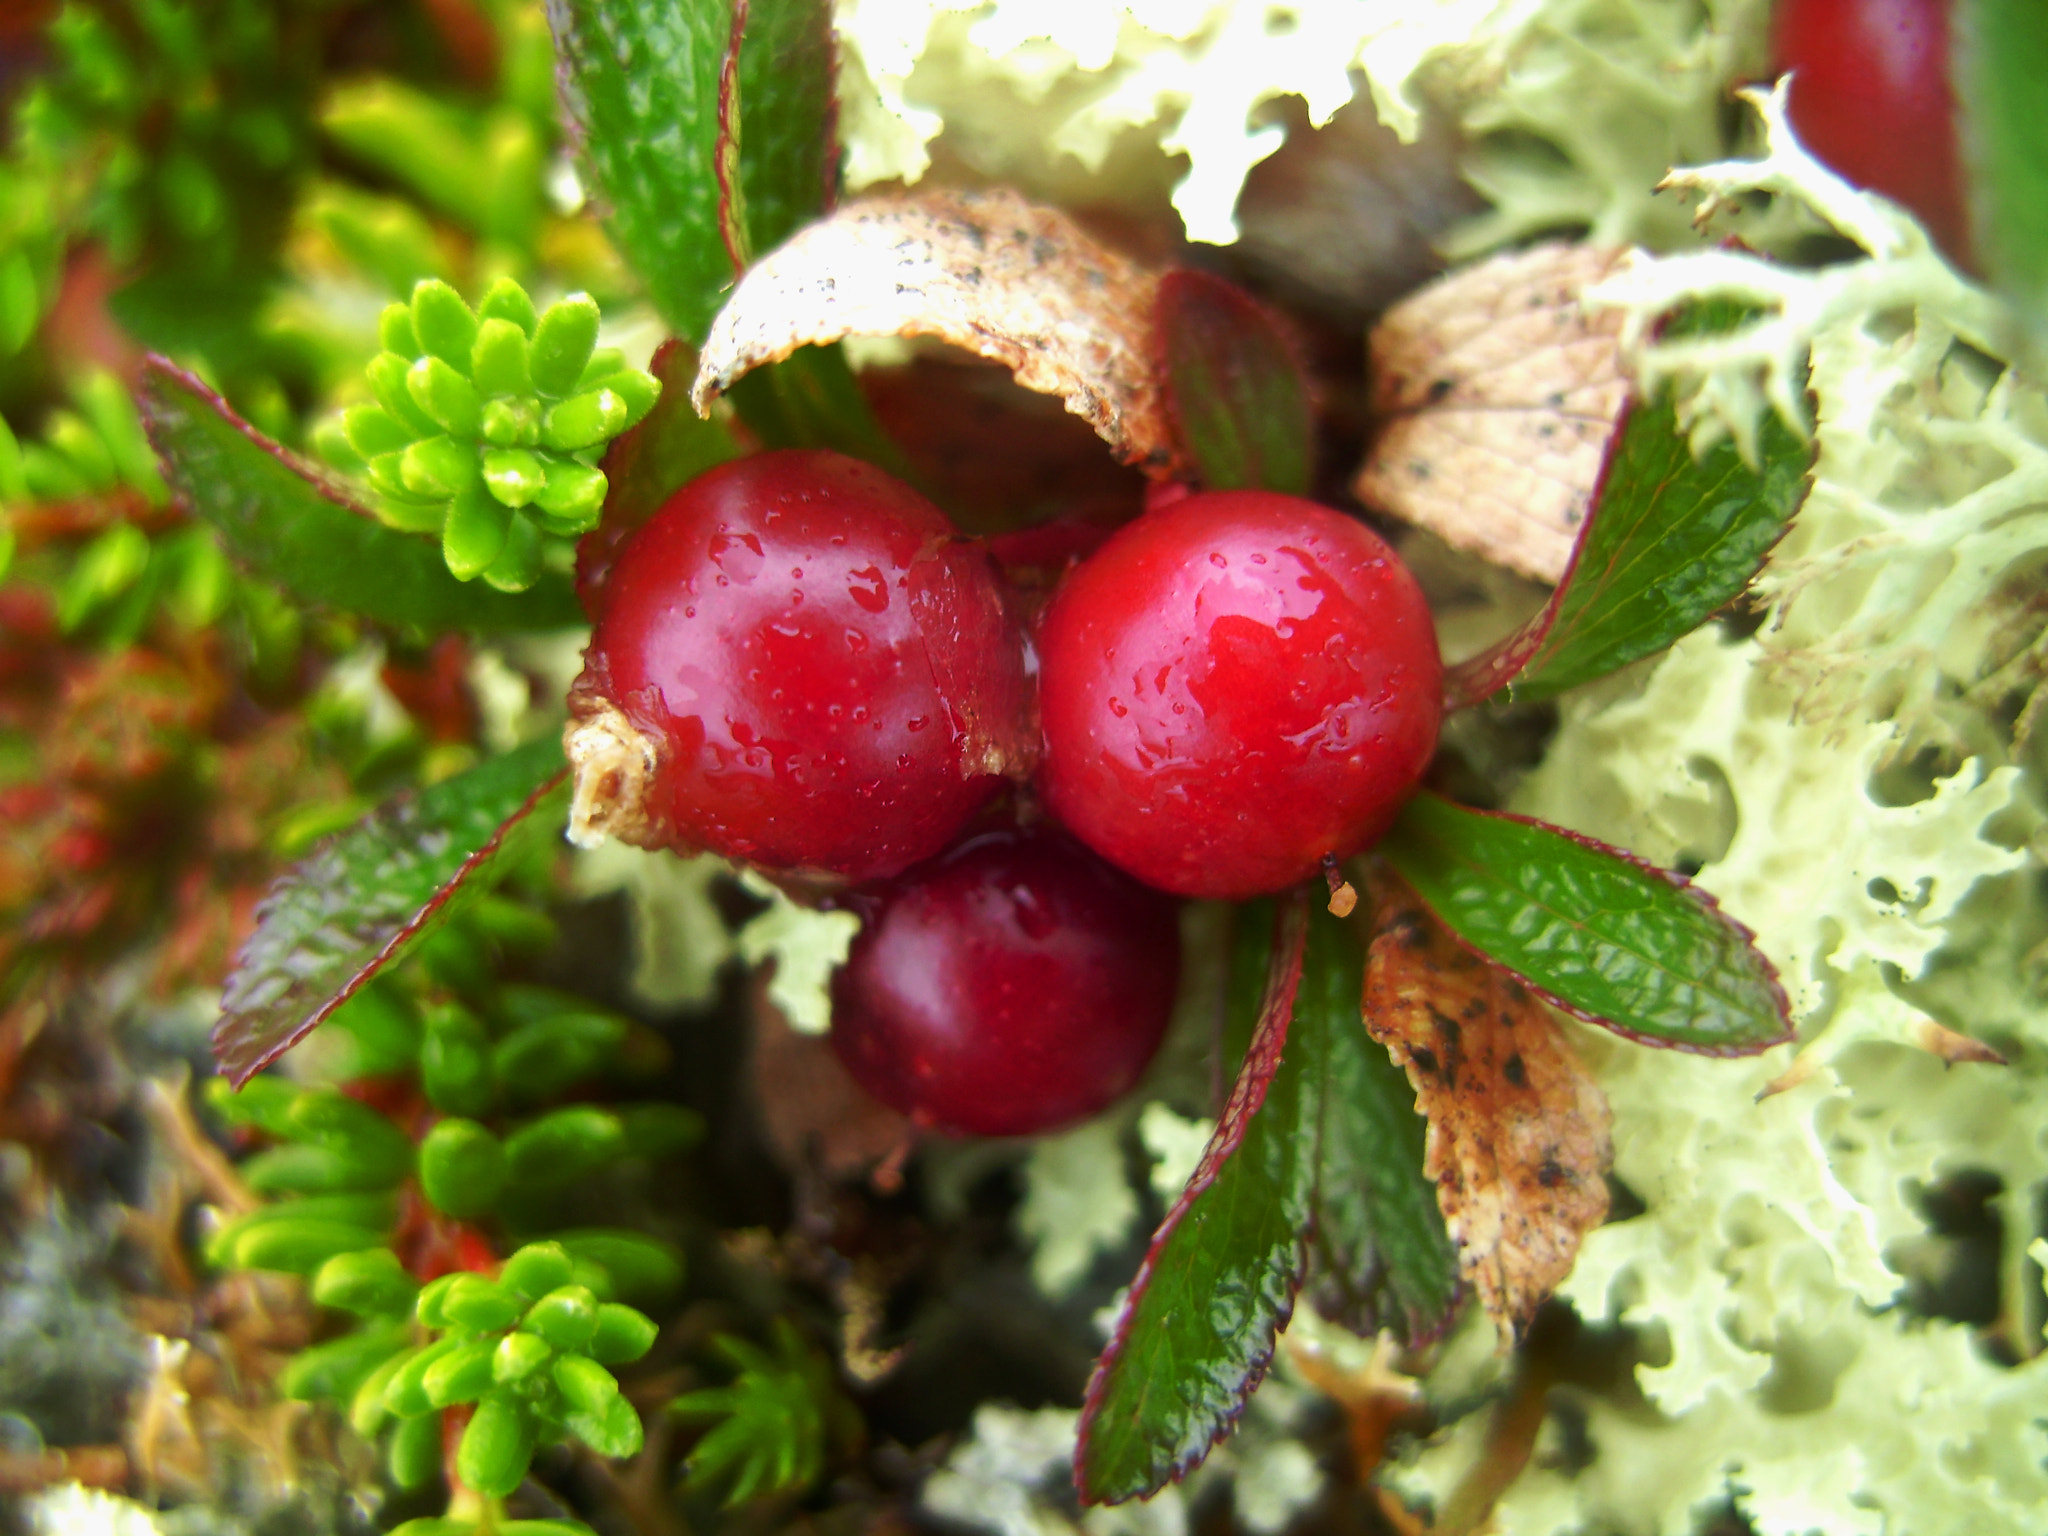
x: 800, y: 664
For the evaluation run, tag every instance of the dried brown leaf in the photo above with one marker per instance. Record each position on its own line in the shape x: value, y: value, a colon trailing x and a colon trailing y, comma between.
x: 1009, y: 280
x: 1519, y: 1140
x: 1498, y: 391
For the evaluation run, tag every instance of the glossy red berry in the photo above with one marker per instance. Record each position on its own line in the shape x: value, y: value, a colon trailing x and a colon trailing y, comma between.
x: 1871, y: 99
x: 1233, y: 687
x: 799, y: 664
x: 1013, y: 985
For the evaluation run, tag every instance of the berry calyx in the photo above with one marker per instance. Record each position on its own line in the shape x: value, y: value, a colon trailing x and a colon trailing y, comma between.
x: 1871, y: 99
x: 1233, y: 688
x: 1011, y: 986
x: 801, y: 666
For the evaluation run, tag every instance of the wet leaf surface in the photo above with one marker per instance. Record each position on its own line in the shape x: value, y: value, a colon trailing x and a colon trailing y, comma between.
x: 1518, y: 1140
x: 360, y: 900
x: 290, y: 521
x: 1196, y: 1333
x: 1593, y: 930
x: 1319, y: 1136
x: 639, y: 81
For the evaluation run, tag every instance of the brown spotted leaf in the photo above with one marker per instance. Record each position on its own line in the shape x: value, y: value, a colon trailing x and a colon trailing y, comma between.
x: 1498, y: 391
x: 1518, y: 1140
x: 1007, y: 279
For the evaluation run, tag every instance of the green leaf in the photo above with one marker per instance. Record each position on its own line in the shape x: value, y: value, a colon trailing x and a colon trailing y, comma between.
x: 770, y: 1425
x: 353, y: 907
x: 1382, y: 1258
x: 1670, y: 540
x: 2000, y: 66
x: 497, y: 1447
x: 1234, y: 388
x: 1197, y: 1329
x: 637, y: 1268
x: 462, y: 1168
x: 639, y: 79
x: 289, y: 522
x: 667, y: 450
x: 1591, y: 929
x: 789, y: 158
x: 1334, y: 1148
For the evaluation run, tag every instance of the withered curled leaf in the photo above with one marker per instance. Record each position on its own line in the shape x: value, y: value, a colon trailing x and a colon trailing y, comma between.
x: 1009, y: 280
x: 1498, y: 391
x: 1519, y: 1142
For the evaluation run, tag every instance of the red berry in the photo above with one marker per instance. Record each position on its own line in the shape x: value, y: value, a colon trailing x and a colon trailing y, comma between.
x: 1871, y: 98
x: 1233, y: 687
x: 1013, y: 985
x: 801, y: 665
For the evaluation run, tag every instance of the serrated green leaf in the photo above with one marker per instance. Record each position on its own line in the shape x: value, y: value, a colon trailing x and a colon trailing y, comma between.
x: 2001, y: 65
x: 359, y: 902
x: 1234, y: 388
x: 1197, y: 1329
x: 640, y: 82
x: 1671, y: 539
x: 1592, y: 929
x: 1319, y: 1136
x: 289, y: 522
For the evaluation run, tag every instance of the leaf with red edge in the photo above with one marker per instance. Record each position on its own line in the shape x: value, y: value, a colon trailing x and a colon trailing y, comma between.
x: 1235, y: 391
x: 295, y: 524
x: 1671, y: 539
x: 1591, y: 929
x: 362, y: 899
x: 664, y: 114
x: 1196, y: 1332
x: 1382, y: 1256
x: 1319, y: 1136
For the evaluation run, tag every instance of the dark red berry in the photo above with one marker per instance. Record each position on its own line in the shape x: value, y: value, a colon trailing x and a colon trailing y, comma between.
x: 799, y: 664
x: 1233, y: 687
x: 1871, y: 98
x: 1011, y: 986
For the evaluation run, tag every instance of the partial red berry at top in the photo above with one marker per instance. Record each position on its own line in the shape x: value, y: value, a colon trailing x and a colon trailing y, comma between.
x: 1013, y: 985
x: 1871, y: 99
x: 1234, y: 687
x: 799, y: 664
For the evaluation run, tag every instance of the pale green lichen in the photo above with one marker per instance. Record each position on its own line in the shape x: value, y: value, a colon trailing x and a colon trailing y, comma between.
x: 1188, y: 76
x: 1575, y: 109
x: 1077, y: 1203
x: 1857, y: 782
